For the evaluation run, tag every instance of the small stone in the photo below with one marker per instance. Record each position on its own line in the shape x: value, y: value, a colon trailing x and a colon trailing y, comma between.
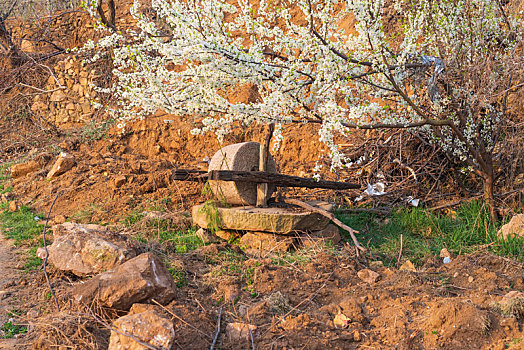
x: 444, y: 253
x: 368, y: 276
x: 446, y: 260
x: 341, y: 321
x: 237, y: 331
x: 470, y: 279
x: 59, y: 219
x: 148, y: 326
x: 119, y: 181
x: 356, y: 335
x: 408, y: 266
x: 64, y: 163
x: 58, y: 96
x: 206, y: 236
x: 13, y: 206
x: 227, y: 235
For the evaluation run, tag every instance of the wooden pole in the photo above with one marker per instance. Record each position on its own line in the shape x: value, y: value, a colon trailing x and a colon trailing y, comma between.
x: 279, y: 180
x: 263, y: 188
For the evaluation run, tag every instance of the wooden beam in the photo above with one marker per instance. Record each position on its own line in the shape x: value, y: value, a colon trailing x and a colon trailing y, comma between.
x: 263, y: 188
x: 279, y: 180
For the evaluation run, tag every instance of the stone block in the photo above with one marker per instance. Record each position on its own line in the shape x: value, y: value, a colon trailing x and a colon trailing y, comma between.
x: 277, y: 220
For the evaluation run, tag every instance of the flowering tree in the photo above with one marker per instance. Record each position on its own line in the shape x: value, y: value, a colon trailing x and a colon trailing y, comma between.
x: 447, y: 71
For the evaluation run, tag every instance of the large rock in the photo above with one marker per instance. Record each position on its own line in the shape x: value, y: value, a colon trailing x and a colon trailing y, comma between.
x: 257, y: 242
x: 63, y: 163
x: 84, y: 249
x: 22, y: 169
x: 513, y: 228
x: 277, y: 220
x: 148, y: 327
x: 138, y: 280
x: 240, y: 157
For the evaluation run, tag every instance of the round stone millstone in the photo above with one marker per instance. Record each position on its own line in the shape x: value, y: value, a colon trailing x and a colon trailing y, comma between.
x: 239, y: 157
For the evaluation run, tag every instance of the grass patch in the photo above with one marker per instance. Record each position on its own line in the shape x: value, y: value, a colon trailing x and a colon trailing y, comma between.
x: 32, y: 262
x: 10, y: 328
x: 20, y: 226
x: 425, y: 233
x: 5, y: 188
x: 4, y: 171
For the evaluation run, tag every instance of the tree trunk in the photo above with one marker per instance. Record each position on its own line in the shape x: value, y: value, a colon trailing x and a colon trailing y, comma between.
x: 489, y: 197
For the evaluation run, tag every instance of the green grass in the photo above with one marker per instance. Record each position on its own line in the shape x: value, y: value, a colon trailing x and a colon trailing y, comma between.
x: 425, y: 233
x: 32, y: 262
x: 20, y: 226
x: 10, y: 329
x: 4, y: 172
x: 5, y: 188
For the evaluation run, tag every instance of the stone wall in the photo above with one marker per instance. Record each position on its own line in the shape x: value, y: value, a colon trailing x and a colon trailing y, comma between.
x: 71, y: 96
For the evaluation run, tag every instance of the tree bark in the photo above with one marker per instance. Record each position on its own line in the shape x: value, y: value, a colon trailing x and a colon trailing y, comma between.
x: 489, y: 197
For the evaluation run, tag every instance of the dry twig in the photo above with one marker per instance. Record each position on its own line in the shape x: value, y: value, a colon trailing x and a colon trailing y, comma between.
x: 218, y: 330
x: 329, y: 216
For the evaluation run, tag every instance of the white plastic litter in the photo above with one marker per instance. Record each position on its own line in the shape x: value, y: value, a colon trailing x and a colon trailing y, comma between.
x: 446, y: 260
x: 376, y: 189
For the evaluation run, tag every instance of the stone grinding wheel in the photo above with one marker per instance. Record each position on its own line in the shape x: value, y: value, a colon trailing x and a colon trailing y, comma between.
x: 239, y: 157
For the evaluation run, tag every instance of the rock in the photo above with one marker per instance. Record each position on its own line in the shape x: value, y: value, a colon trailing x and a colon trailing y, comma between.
x: 13, y: 206
x: 22, y: 169
x: 84, y: 82
x: 240, y: 157
x: 368, y: 276
x: 341, y: 321
x: 72, y: 227
x: 119, y: 181
x: 277, y: 220
x: 58, y: 95
x: 85, y: 252
x: 330, y: 234
x: 257, y: 242
x: 149, y: 327
x: 515, y: 227
x: 408, y: 266
x: 59, y: 219
x: 63, y: 164
x: 227, y: 235
x: 237, y: 331
x: 138, y: 280
x: 444, y: 253
x: 229, y: 290
x: 206, y: 236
